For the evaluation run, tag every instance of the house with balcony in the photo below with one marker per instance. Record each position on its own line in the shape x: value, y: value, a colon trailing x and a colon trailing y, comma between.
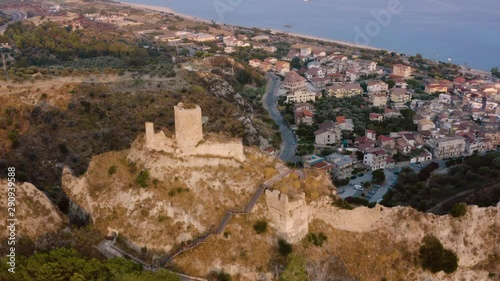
x: 399, y: 95
x: 376, y: 86
x: 400, y: 70
x: 345, y: 90
x: 447, y: 146
x: 375, y: 158
x: 300, y: 96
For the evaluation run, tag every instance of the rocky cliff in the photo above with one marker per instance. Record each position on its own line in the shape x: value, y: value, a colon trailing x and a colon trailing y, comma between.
x: 34, y: 212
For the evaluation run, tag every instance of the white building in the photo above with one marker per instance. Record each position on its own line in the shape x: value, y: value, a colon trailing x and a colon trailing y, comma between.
x: 300, y: 96
x: 375, y: 158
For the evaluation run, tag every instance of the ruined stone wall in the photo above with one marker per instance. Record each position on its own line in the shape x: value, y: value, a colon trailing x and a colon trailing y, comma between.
x: 290, y: 217
x: 157, y: 141
x: 188, y: 126
x: 230, y: 149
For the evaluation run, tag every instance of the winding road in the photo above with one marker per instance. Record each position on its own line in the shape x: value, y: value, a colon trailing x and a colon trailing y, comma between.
x: 270, y: 100
x: 16, y: 16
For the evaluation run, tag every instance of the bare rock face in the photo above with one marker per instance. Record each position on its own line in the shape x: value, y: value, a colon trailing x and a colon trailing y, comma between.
x: 473, y: 237
x: 35, y: 213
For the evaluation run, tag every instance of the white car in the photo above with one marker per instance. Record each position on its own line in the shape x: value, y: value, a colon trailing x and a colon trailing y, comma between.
x: 359, y: 187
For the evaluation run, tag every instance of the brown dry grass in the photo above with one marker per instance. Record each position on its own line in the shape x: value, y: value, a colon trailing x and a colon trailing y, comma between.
x: 369, y: 256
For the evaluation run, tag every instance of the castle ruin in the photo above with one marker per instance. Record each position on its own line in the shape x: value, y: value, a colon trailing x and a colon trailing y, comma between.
x: 189, y: 139
x: 290, y: 217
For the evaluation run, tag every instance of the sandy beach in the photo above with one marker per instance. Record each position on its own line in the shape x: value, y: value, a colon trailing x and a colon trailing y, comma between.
x: 188, y: 17
x: 163, y: 10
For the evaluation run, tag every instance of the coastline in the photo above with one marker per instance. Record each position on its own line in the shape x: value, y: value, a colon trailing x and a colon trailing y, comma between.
x: 168, y: 10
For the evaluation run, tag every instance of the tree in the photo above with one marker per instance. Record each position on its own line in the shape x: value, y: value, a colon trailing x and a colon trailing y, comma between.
x: 378, y: 176
x: 495, y: 71
x: 296, y: 63
x: 459, y: 210
x: 435, y: 258
x: 260, y: 227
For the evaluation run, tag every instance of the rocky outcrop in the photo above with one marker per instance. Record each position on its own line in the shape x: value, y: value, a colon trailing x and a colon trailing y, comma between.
x: 35, y: 213
x: 474, y: 237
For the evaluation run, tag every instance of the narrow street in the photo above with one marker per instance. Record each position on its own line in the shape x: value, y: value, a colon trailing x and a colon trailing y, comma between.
x: 270, y: 100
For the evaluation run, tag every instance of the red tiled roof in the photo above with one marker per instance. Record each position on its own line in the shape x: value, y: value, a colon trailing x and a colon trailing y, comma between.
x: 384, y: 138
x: 340, y: 119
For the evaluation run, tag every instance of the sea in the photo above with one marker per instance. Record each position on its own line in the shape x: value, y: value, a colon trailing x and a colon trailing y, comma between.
x: 463, y: 32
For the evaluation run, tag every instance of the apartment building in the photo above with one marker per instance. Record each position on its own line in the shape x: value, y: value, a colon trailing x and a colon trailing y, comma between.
x: 375, y: 158
x: 401, y: 70
x: 300, y: 96
x: 447, y: 146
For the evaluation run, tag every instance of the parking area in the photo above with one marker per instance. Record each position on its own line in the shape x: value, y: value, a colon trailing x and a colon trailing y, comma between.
x: 374, y: 193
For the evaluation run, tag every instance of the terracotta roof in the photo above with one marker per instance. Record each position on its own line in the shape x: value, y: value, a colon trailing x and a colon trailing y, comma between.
x: 383, y: 138
x: 292, y: 77
x: 340, y: 119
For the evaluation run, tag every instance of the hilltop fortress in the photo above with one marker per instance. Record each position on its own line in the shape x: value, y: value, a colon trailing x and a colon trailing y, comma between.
x: 189, y: 139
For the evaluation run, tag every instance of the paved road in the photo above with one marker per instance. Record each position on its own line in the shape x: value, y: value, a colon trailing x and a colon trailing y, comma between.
x: 270, y: 100
x: 16, y: 16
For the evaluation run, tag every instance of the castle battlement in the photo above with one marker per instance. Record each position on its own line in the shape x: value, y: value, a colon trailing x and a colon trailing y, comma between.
x: 189, y: 139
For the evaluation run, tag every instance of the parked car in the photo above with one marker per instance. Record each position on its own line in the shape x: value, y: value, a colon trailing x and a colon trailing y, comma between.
x: 377, y: 186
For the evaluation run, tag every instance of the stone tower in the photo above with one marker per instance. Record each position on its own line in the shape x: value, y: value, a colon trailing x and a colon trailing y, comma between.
x: 188, y: 128
x: 290, y: 217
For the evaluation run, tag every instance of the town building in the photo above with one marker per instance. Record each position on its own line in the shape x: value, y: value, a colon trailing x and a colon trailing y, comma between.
x: 345, y: 90
x: 425, y: 125
x: 342, y: 165
x: 282, y: 67
x: 294, y: 82
x: 375, y: 158
x: 385, y: 142
x: 254, y: 62
x: 300, y: 96
x: 447, y: 146
x: 376, y: 117
x: 378, y: 99
x: 401, y: 70
x: 377, y: 86
x: 435, y: 88
x: 345, y: 124
x: 328, y: 133
x: 399, y: 95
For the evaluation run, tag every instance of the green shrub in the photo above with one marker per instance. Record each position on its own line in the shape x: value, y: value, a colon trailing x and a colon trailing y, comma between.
x: 260, y: 227
x: 112, y: 170
x: 342, y: 204
x: 435, y: 257
x: 219, y: 276
x: 284, y: 247
x: 143, y: 178
x: 459, y: 210
x: 317, y: 239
